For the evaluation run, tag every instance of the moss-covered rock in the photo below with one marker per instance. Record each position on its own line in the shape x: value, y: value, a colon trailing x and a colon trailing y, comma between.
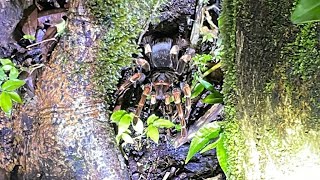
x: 124, y: 21
x: 271, y: 90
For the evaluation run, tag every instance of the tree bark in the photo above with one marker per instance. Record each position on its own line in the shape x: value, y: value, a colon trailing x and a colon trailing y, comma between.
x: 272, y: 91
x: 64, y: 132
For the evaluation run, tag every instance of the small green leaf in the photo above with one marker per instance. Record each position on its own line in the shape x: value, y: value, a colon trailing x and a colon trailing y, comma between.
x: 153, y: 133
x: 127, y: 138
x: 151, y: 119
x: 7, y: 67
x: 124, y: 123
x: 222, y: 154
x: 197, y: 90
x: 177, y: 127
x: 116, y: 116
x: 138, y: 127
x: 210, y: 146
x: 61, y: 27
x: 163, y: 123
x: 5, y: 102
x: 29, y: 37
x: 3, y: 75
x: 212, y: 99
x: 12, y: 84
x: 306, y: 11
x: 15, y: 96
x: 207, y: 85
x: 6, y: 62
x: 202, y: 137
x: 14, y: 73
x: 118, y: 138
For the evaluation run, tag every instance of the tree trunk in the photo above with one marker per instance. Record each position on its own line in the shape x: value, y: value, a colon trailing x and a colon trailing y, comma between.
x: 64, y: 132
x: 272, y: 91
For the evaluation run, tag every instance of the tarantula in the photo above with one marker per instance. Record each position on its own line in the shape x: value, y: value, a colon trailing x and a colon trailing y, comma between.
x: 163, y: 65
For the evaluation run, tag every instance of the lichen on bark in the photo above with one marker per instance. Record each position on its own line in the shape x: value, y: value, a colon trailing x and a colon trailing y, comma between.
x: 271, y: 87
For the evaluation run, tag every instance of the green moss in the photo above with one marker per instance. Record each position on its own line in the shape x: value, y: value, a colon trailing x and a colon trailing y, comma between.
x: 271, y: 71
x: 123, y: 21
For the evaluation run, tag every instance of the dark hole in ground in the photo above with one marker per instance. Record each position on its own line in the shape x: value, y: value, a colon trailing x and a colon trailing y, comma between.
x: 147, y: 160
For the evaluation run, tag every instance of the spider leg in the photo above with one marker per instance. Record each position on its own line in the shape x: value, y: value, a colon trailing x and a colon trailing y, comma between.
x: 147, y: 50
x: 185, y: 59
x: 143, y: 64
x: 133, y: 79
x: 174, y: 53
x: 187, y: 94
x: 168, y: 108
x: 177, y: 100
x: 146, y: 92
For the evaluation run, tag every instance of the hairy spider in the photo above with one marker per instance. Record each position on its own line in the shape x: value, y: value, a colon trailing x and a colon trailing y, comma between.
x: 160, y: 68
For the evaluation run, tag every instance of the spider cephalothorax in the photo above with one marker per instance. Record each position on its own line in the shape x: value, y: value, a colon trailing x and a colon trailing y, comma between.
x: 161, y: 67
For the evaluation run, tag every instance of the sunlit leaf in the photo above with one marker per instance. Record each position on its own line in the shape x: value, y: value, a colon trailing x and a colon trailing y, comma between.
x: 222, y: 154
x: 212, y: 99
x: 29, y: 37
x: 15, y: 96
x: 151, y: 119
x: 116, y: 116
x: 163, y: 123
x: 2, y: 74
x: 5, y: 102
x: 127, y: 138
x: 12, y: 84
x: 202, y: 137
x: 138, y: 127
x: 207, y: 85
x: 210, y: 146
x: 153, y: 133
x: 14, y: 73
x: 6, y: 62
x: 177, y: 127
x: 124, y: 123
x: 7, y: 67
x: 306, y: 11
x: 197, y: 90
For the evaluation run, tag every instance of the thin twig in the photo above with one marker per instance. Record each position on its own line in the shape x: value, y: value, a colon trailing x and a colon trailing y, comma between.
x: 35, y: 44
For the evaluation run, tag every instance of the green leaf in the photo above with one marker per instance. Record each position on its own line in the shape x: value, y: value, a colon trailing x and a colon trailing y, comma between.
x: 7, y: 67
x: 124, y: 123
x: 222, y: 154
x: 197, y: 90
x: 151, y: 119
x: 116, y: 116
x: 202, y: 137
x: 29, y: 37
x: 14, y: 73
x: 163, y: 123
x: 212, y: 99
x: 5, y: 102
x: 61, y: 27
x: 6, y: 62
x: 127, y: 138
x: 3, y: 75
x: 153, y: 133
x: 177, y: 127
x: 207, y: 85
x: 210, y: 146
x: 15, y: 97
x: 306, y: 11
x: 138, y: 127
x: 12, y: 84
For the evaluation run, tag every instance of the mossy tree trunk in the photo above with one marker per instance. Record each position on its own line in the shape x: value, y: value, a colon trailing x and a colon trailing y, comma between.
x: 272, y: 91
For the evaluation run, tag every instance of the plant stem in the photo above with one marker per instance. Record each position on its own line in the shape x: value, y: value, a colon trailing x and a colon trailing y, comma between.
x: 213, y: 68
